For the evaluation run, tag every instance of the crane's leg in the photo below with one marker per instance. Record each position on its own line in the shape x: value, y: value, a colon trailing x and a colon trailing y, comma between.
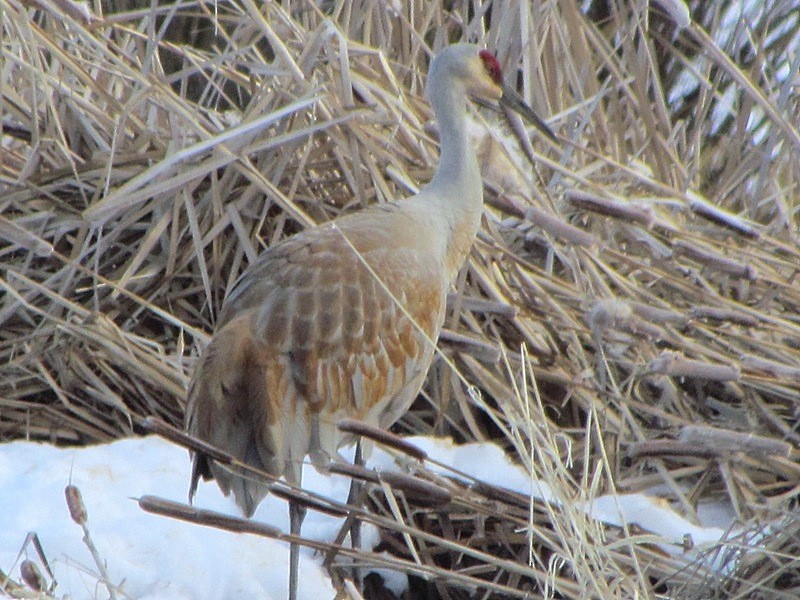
x: 297, y: 513
x: 354, y: 497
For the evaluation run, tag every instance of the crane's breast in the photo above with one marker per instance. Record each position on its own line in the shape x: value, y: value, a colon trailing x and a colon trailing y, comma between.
x: 351, y: 327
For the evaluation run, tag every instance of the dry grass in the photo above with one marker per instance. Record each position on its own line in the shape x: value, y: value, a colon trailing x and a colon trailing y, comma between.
x: 641, y: 279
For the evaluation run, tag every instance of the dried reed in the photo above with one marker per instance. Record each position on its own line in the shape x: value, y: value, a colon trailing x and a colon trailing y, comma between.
x: 640, y: 279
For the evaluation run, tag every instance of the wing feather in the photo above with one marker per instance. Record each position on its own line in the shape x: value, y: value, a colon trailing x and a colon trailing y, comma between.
x: 307, y: 337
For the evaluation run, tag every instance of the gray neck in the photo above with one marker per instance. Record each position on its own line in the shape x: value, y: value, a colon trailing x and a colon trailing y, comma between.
x: 458, y: 177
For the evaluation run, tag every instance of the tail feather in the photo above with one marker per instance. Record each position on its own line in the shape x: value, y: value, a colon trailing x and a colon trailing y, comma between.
x: 200, y: 468
x: 220, y: 412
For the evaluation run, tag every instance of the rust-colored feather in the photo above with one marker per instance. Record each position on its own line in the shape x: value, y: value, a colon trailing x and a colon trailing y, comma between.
x: 309, y: 335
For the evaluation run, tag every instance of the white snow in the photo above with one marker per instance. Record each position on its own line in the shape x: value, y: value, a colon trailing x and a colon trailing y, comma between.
x: 150, y: 556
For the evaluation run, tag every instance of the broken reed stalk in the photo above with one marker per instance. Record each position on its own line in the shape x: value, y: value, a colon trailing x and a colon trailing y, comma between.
x: 181, y: 438
x: 722, y: 217
x: 483, y: 306
x: 723, y: 314
x: 703, y: 442
x: 610, y: 207
x: 191, y: 514
x: 467, y: 344
x: 714, y: 261
x: 381, y: 436
x: 293, y: 496
x: 417, y: 492
x: 556, y: 227
x: 771, y: 366
x: 209, y: 518
x: 724, y: 440
x: 676, y: 365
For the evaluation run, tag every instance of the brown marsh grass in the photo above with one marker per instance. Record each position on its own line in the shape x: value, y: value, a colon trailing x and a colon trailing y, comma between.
x: 629, y: 319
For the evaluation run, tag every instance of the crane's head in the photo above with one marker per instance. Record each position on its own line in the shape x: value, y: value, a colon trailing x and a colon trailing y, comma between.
x: 482, y: 77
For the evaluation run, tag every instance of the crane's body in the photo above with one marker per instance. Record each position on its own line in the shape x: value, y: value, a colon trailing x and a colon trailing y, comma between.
x: 340, y: 321
x: 337, y: 322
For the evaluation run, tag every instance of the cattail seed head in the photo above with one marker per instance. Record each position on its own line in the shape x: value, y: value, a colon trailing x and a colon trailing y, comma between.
x: 32, y: 576
x: 77, y: 509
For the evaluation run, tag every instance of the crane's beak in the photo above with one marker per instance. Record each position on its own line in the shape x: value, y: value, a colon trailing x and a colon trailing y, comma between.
x: 512, y: 100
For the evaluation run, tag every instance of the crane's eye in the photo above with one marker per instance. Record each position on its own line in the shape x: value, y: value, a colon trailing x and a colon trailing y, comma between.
x: 492, y: 66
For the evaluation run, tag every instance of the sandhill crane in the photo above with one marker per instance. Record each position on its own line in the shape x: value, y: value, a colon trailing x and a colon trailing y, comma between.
x: 340, y: 321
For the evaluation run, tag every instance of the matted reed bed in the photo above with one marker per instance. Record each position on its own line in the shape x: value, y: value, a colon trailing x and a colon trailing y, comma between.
x: 629, y: 318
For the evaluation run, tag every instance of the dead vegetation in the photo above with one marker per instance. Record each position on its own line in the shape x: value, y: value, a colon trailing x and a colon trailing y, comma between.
x: 629, y: 318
